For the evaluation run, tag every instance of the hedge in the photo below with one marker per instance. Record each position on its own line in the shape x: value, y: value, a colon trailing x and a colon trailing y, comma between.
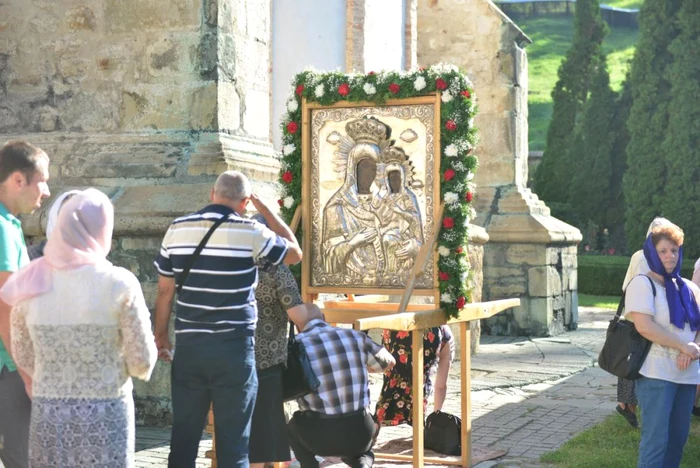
x: 603, y: 275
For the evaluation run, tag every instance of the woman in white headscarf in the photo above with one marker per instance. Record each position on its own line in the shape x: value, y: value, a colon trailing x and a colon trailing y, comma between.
x: 81, y: 329
x: 626, y: 396
x: 37, y: 250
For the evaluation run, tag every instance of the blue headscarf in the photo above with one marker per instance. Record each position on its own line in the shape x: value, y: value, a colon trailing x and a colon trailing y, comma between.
x: 681, y: 301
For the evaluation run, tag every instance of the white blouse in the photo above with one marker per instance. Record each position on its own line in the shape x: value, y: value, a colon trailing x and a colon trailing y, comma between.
x: 661, y: 360
x: 86, y: 337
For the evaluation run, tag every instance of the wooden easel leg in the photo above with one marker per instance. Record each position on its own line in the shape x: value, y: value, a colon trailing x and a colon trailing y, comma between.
x: 466, y: 384
x: 211, y: 454
x: 417, y: 355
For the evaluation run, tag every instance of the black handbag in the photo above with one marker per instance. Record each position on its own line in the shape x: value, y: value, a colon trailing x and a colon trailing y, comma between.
x: 625, y: 349
x: 443, y: 433
x: 298, y: 378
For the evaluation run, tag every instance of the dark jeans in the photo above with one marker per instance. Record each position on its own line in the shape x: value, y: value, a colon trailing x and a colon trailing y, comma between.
x: 15, y: 408
x: 222, y: 373
x: 349, y: 437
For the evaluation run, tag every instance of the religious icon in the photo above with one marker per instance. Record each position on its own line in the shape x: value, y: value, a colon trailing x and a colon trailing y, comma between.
x: 372, y: 196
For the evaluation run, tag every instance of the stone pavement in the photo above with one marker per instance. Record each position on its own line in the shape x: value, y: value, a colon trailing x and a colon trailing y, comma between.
x: 529, y: 396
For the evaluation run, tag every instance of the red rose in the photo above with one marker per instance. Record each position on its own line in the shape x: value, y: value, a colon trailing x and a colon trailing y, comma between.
x: 451, y: 125
x: 460, y: 302
x: 292, y: 127
x: 448, y: 223
x: 403, y: 358
x: 459, y: 250
x: 444, y: 276
x: 287, y: 177
x: 280, y: 202
x: 394, y: 88
x: 469, y: 197
x: 344, y: 89
x: 440, y: 84
x: 370, y: 73
x: 466, y: 94
x: 299, y: 90
x: 448, y: 175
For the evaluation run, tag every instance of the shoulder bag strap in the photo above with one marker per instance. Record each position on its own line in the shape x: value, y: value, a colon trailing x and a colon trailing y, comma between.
x: 198, y: 250
x: 621, y: 305
x: 291, y: 331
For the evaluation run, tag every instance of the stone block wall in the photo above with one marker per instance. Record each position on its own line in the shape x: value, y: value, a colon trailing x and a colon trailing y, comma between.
x: 544, y: 277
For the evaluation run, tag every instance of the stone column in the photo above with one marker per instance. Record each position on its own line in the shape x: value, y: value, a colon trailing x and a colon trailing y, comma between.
x: 530, y: 254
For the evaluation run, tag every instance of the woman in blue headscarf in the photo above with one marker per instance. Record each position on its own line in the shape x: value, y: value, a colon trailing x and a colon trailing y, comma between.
x: 670, y: 320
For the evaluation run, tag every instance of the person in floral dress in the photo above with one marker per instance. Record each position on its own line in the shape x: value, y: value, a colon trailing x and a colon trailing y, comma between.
x: 396, y: 401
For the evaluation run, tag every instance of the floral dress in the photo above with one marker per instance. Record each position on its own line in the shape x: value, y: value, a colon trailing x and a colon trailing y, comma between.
x: 395, y: 402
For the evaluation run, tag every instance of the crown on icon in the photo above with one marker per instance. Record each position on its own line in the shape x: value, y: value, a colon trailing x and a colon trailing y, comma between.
x: 367, y: 130
x: 394, y: 154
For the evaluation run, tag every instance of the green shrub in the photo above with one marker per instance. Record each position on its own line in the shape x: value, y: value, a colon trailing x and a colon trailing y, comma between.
x: 603, y: 275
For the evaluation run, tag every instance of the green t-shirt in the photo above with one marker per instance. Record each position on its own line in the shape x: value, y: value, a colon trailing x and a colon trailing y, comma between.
x: 13, y: 255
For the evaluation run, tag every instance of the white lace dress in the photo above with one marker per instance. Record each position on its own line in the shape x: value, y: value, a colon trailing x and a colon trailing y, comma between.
x: 81, y: 343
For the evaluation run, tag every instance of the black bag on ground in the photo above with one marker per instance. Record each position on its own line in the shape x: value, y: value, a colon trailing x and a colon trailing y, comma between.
x: 443, y: 432
x: 625, y: 349
x: 298, y: 378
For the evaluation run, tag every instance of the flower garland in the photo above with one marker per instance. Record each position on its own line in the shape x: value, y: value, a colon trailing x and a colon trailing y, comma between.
x: 457, y: 140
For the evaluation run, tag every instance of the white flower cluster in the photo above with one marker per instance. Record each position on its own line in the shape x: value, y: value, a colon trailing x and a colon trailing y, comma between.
x: 319, y: 91
x: 440, y: 68
x: 459, y: 166
x: 419, y: 84
x: 292, y: 105
x: 446, y: 96
x: 451, y: 150
x: 288, y: 202
x: 449, y: 236
x: 445, y: 297
x: 369, y: 89
x: 288, y: 149
x: 451, y: 197
x: 443, y: 251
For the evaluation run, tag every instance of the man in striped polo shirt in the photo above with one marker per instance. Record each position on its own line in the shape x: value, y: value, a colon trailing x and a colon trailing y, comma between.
x: 215, y: 317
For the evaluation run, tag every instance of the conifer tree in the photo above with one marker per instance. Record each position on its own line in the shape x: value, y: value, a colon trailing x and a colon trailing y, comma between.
x: 591, y: 154
x: 553, y: 175
x: 645, y: 179
x: 681, y: 148
x: 615, y: 212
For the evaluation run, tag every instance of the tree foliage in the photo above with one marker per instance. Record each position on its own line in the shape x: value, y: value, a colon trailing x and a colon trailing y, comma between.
x: 552, y: 178
x: 681, y: 147
x: 645, y: 179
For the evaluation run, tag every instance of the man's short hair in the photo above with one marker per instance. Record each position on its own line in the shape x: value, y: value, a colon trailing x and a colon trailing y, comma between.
x: 233, y: 185
x: 20, y: 156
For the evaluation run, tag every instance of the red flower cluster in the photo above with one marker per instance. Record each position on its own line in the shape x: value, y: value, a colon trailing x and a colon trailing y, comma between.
x: 287, y: 177
x: 444, y: 276
x: 441, y: 84
x: 466, y: 94
x: 451, y: 125
x: 280, y: 202
x: 292, y: 127
x: 469, y: 197
x: 448, y: 223
x: 299, y: 90
x: 459, y: 250
x: 460, y: 302
x: 344, y: 89
x: 448, y: 175
x: 394, y: 88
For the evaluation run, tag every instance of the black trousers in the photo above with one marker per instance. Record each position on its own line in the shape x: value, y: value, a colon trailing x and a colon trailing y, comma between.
x: 349, y: 437
x: 15, y: 408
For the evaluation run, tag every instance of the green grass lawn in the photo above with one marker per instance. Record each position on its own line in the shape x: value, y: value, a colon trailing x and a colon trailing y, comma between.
x: 623, y: 3
x: 614, y: 444
x: 606, y: 302
x: 551, y: 40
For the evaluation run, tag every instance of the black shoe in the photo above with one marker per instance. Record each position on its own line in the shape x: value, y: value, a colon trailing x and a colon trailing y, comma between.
x: 696, y: 410
x: 629, y: 416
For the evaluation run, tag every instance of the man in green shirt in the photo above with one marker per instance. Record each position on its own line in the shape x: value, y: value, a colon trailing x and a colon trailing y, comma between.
x: 24, y: 172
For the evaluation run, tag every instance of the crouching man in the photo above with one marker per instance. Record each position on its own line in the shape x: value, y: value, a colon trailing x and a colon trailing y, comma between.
x: 335, y: 420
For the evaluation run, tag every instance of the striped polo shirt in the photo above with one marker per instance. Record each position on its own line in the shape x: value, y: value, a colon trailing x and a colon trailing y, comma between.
x: 218, y: 297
